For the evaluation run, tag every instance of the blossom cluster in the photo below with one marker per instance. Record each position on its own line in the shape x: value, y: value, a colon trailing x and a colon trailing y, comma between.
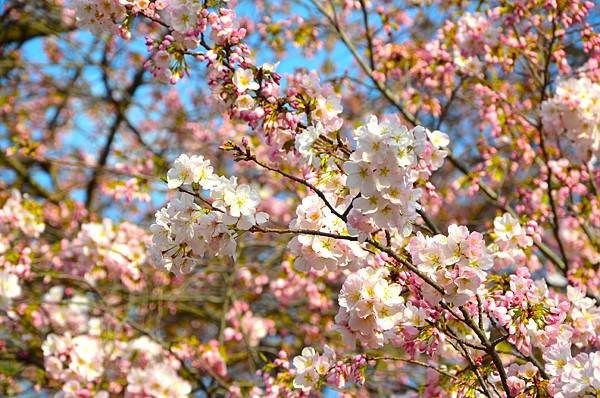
x: 292, y: 287
x: 511, y: 240
x: 185, y: 231
x: 475, y: 34
x: 20, y: 213
x: 583, y: 318
x: 572, y: 376
x: 246, y: 326
x: 525, y: 309
x: 83, y: 356
x: 249, y: 91
x: 20, y: 217
x: 574, y: 111
x: 107, y: 251
x: 522, y: 377
x: 80, y: 362
x: 307, y: 101
x: 310, y: 366
x: 68, y: 312
x: 212, y: 358
x: 458, y: 262
x: 387, y: 161
x: 369, y: 307
x: 101, y: 16
x: 322, y: 252
x: 310, y: 372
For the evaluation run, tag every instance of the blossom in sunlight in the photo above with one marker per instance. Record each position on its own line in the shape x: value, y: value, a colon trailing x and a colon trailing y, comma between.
x: 243, y: 79
x: 572, y: 376
x: 574, y: 111
x: 383, y: 169
x: 158, y: 381
x: 188, y: 169
x: 369, y: 306
x: 242, y: 200
x: 100, y: 16
x: 511, y: 239
x: 83, y: 361
x: 9, y: 288
x: 327, y: 111
x: 321, y: 252
x: 475, y: 32
x: 244, y: 102
x: 304, y: 143
x: 458, y: 262
x: 185, y: 230
x: 182, y: 16
x: 22, y: 214
x: 310, y: 367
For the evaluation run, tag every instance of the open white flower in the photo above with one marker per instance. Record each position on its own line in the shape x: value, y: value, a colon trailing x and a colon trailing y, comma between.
x: 189, y: 169
x: 244, y: 102
x: 305, y: 141
x: 305, y: 361
x: 87, y: 357
x: 9, y: 288
x: 243, y: 79
x: 242, y: 201
x: 306, y: 380
x: 310, y: 366
x: 327, y: 108
x: 438, y: 139
x: 360, y: 177
x: 183, y: 18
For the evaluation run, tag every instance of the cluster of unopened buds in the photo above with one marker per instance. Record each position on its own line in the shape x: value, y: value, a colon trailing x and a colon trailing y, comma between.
x: 186, y: 231
x: 167, y: 63
x: 211, y: 358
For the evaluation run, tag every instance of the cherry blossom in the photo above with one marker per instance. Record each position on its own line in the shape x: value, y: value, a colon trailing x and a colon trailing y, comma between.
x: 390, y: 198
x: 572, y: 112
x: 9, y: 288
